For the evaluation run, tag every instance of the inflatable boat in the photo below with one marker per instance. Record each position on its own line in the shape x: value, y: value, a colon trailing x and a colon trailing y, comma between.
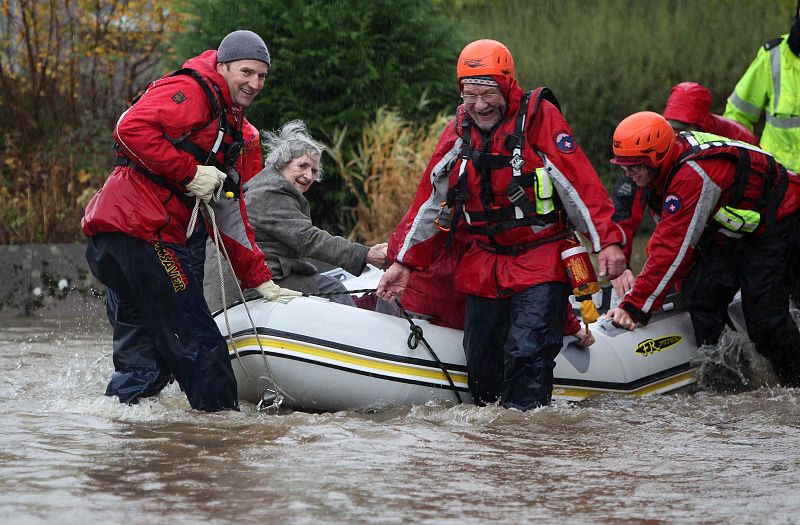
x: 322, y: 356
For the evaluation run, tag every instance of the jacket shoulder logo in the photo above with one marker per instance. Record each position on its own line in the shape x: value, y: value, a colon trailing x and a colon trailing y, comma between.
x: 672, y: 204
x: 651, y: 346
x: 564, y: 142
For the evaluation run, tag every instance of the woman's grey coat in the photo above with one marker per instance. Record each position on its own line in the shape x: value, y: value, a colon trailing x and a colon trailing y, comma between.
x: 281, y: 218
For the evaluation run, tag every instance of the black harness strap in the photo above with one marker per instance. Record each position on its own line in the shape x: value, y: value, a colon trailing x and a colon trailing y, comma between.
x: 497, y: 227
x: 507, y: 214
x: 204, y: 157
x: 503, y: 218
x: 517, y: 249
x: 459, y: 193
x: 492, y: 162
x: 775, y: 192
x: 121, y: 160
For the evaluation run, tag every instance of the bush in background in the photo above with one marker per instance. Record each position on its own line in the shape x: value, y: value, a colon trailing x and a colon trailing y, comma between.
x: 67, y: 70
x: 384, y: 170
x: 334, y: 64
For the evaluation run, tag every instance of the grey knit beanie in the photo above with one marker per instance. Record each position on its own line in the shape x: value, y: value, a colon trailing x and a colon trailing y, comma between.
x: 242, y: 45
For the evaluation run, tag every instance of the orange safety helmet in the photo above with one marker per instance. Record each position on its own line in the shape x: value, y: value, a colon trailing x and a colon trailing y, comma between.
x: 485, y: 58
x: 643, y: 138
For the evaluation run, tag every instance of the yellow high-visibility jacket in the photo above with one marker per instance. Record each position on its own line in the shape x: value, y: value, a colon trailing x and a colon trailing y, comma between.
x: 771, y: 84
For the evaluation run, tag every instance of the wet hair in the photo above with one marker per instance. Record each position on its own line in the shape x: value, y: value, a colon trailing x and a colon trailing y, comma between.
x: 291, y: 142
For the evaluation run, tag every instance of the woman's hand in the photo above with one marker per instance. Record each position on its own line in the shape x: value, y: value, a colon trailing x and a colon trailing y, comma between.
x: 376, y: 256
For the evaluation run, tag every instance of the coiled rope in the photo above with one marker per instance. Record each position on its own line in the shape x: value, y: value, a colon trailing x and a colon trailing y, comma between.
x: 270, y: 398
x: 413, y: 341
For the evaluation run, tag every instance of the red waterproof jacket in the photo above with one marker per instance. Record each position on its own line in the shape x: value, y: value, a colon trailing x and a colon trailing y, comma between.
x: 689, y: 102
x: 692, y: 195
x: 549, y: 145
x: 175, y: 108
x: 432, y: 291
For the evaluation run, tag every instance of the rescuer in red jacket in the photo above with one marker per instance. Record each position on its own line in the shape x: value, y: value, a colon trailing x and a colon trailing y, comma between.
x: 688, y: 109
x: 729, y: 214
x: 507, y: 165
x: 175, y: 146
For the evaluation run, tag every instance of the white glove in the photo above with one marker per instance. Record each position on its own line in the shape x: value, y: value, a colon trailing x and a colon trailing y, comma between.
x: 272, y: 292
x: 205, y: 181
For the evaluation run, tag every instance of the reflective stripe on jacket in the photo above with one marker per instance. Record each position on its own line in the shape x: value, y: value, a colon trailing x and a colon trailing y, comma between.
x: 771, y: 84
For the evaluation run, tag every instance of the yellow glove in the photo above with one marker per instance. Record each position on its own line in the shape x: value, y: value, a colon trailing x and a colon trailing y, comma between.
x: 205, y: 181
x: 272, y: 292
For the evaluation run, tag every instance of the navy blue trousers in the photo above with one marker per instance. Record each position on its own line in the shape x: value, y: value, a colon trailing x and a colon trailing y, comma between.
x: 162, y: 325
x: 511, y: 345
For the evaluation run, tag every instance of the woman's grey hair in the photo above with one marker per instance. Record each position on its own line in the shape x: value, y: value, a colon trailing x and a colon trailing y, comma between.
x: 291, y: 142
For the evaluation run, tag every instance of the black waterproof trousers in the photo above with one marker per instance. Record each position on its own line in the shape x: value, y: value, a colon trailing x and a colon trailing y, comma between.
x: 162, y: 325
x: 511, y: 345
x: 760, y: 266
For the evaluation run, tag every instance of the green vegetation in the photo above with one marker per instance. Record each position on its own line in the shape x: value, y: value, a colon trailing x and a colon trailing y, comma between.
x: 606, y: 59
x: 335, y: 65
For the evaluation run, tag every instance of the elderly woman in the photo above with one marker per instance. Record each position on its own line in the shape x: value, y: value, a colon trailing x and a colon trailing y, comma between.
x: 280, y: 216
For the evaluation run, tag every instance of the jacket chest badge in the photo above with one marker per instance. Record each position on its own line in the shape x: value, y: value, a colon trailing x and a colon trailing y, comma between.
x: 178, y: 97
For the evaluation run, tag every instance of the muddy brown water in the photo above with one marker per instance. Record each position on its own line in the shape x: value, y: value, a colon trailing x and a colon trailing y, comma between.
x: 70, y: 455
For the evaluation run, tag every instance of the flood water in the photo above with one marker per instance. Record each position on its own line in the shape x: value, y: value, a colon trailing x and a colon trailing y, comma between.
x: 70, y: 455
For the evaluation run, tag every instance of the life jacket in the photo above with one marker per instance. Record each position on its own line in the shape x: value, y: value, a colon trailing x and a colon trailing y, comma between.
x: 228, y: 144
x: 538, y: 211
x: 759, y: 185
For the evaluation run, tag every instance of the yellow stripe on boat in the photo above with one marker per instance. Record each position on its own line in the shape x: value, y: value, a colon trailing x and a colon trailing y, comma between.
x: 576, y: 393
x: 342, y: 357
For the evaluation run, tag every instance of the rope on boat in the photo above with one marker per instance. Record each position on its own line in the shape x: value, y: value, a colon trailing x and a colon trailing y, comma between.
x: 414, y: 339
x: 270, y: 398
x: 342, y: 292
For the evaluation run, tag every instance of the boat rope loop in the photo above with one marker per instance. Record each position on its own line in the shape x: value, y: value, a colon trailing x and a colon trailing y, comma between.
x: 414, y: 339
x: 270, y: 398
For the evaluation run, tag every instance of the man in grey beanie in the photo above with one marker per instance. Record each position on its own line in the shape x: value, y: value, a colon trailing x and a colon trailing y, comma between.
x: 183, y: 138
x: 243, y: 60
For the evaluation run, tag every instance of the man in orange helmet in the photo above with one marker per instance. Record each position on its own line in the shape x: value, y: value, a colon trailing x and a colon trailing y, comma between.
x: 509, y: 166
x: 688, y: 109
x: 729, y: 213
